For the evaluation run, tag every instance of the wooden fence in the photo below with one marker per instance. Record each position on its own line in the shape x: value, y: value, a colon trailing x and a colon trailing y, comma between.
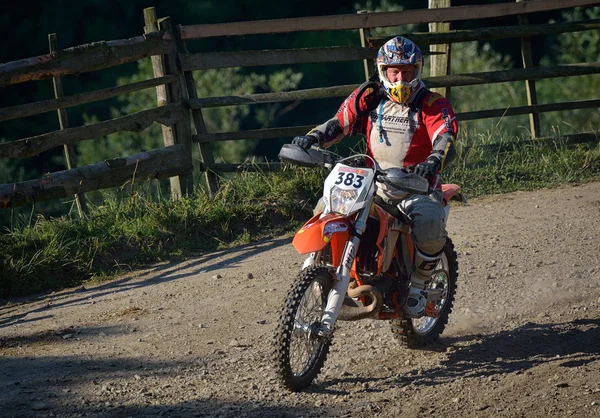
x: 178, y: 104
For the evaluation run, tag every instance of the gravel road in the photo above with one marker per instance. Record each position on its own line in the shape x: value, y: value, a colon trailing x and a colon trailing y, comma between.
x: 194, y: 338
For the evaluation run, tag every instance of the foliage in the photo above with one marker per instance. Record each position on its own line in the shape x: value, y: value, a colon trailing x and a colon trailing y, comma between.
x: 574, y: 47
x: 209, y: 83
x: 499, y: 163
x: 471, y: 57
x: 386, y: 6
x: 129, y: 231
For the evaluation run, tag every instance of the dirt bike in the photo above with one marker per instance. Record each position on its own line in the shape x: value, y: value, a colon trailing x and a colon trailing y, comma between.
x: 359, y: 265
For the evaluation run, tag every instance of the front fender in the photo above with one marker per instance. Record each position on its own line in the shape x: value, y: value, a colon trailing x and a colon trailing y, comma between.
x: 318, y: 232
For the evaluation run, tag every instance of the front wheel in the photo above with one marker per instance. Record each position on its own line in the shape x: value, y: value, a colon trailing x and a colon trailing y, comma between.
x: 299, y: 352
x: 415, y: 333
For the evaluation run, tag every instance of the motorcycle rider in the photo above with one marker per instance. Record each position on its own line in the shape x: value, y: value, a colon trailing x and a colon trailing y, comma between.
x: 405, y: 125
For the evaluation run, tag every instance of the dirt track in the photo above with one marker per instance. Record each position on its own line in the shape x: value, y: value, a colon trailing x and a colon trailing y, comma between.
x: 194, y: 338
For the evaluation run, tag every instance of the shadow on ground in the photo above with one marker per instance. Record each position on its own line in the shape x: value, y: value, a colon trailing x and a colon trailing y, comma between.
x: 570, y: 344
x: 16, y: 311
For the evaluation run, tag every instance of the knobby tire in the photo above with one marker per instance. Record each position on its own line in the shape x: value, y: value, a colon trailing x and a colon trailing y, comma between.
x: 285, y: 330
x: 403, y: 328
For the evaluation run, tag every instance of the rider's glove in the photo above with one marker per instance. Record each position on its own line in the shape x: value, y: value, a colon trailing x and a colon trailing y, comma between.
x: 305, y: 141
x: 428, y: 168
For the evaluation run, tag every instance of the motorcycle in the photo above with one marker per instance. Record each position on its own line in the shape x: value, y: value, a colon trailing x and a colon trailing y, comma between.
x: 359, y: 264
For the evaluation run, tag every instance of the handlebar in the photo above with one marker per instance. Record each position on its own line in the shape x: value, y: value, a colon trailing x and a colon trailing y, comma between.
x: 295, y: 154
x: 399, y: 178
x: 402, y: 179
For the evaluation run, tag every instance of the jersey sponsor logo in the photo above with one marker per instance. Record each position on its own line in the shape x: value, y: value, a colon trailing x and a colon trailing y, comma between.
x: 432, y: 99
x: 446, y: 117
x: 376, y: 117
x: 332, y: 129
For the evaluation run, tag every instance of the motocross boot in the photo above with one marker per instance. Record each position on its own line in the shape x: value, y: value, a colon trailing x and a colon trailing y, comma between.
x: 416, y: 300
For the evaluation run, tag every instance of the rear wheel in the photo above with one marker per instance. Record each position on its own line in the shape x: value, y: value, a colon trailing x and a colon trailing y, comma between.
x: 299, y: 352
x: 420, y: 332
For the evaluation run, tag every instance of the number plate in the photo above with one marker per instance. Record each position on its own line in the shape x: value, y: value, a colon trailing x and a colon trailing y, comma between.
x: 350, y: 178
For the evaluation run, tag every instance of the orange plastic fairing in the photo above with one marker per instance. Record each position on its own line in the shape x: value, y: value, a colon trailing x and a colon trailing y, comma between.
x: 385, y: 220
x: 449, y: 190
x: 317, y: 233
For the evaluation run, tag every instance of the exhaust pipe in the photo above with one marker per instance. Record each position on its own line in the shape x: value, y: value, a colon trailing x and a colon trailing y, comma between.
x: 352, y: 312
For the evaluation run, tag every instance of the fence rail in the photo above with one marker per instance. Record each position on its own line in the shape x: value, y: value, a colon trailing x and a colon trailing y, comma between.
x: 136, y: 122
x: 215, y: 60
x: 463, y: 116
x: 263, y: 166
x: 539, y: 73
x: 205, y: 61
x: 489, y: 34
x: 374, y: 20
x: 524, y: 110
x: 84, y: 58
x: 177, y: 96
x: 159, y: 163
x: 36, y: 108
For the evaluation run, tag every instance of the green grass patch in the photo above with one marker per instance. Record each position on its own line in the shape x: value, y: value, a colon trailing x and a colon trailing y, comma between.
x: 124, y: 234
x: 486, y: 167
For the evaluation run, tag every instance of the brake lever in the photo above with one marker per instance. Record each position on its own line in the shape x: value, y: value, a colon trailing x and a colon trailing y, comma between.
x: 380, y: 175
x: 330, y: 162
x: 435, y: 184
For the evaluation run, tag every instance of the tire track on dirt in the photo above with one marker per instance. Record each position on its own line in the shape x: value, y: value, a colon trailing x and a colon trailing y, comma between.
x: 193, y: 338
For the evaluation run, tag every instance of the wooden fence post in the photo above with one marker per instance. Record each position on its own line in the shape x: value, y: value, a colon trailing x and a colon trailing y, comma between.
x: 440, y: 63
x: 369, y: 65
x: 534, y: 118
x: 63, y: 120
x: 205, y: 148
x: 180, y: 185
x: 183, y: 131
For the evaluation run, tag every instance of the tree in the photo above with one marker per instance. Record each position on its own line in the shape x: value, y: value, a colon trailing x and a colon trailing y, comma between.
x: 221, y: 82
x: 573, y: 48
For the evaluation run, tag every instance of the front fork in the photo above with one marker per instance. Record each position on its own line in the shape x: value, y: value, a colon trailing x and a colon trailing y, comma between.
x: 337, y: 294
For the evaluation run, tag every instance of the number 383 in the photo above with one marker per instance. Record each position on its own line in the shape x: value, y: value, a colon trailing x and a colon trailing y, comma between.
x: 350, y: 179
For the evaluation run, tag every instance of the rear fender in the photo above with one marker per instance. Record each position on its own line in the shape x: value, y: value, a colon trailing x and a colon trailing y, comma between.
x: 452, y: 192
x: 317, y: 233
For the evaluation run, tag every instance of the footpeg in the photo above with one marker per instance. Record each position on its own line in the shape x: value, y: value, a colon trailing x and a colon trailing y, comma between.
x: 323, y: 334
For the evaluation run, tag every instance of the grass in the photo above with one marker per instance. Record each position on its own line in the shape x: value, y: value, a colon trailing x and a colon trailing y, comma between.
x: 486, y: 167
x: 121, y: 235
